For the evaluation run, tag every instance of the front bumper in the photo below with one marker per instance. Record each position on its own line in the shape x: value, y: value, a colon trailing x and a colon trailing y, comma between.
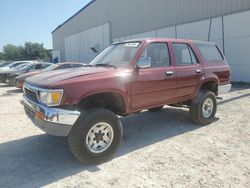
x: 224, y: 89
x: 54, y: 121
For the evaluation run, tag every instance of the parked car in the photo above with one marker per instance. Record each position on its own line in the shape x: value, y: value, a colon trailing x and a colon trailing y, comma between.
x: 5, y: 71
x: 5, y: 63
x: 20, y: 79
x: 126, y: 78
x: 9, y: 66
x: 24, y: 69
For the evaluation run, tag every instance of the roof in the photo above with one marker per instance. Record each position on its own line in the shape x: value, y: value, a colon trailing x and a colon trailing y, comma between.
x: 155, y: 40
x: 92, y: 1
x: 62, y: 63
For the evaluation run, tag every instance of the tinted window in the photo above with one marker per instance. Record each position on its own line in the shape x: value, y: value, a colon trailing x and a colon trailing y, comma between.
x: 39, y: 66
x: 210, y: 52
x: 45, y: 65
x: 184, y: 55
x: 15, y: 65
x: 64, y: 66
x: 158, y: 54
x: 76, y: 65
x: 32, y: 67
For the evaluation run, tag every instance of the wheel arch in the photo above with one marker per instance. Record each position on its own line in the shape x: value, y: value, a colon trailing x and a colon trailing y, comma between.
x: 209, y: 84
x: 112, y: 100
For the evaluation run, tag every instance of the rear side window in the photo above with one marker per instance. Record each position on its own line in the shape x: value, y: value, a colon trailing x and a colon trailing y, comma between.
x: 39, y: 66
x: 76, y: 65
x: 210, y: 52
x: 46, y: 65
x: 64, y: 66
x: 184, y: 55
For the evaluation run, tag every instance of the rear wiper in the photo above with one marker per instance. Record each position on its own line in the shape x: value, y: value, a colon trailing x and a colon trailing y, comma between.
x: 105, y: 65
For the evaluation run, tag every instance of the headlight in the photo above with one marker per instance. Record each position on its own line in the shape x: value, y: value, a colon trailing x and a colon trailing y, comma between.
x: 51, y: 97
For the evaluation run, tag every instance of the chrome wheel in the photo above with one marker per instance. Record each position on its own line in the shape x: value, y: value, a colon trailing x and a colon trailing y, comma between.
x: 99, y: 137
x: 207, y: 107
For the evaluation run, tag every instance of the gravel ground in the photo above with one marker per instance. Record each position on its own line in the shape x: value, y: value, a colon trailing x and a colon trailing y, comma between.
x: 162, y: 149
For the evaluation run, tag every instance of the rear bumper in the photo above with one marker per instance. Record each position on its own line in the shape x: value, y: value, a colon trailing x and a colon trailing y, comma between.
x: 54, y: 121
x: 224, y: 89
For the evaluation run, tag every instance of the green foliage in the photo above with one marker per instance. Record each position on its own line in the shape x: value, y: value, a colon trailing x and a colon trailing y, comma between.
x: 1, y: 56
x: 30, y: 51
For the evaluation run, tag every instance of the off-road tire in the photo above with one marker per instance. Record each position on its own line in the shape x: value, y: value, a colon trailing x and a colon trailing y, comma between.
x: 196, y: 106
x: 78, y: 134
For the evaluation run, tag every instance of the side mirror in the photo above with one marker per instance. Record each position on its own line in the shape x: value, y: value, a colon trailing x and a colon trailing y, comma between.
x: 144, y: 63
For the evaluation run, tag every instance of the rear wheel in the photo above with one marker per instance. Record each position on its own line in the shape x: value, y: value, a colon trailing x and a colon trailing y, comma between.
x: 95, y: 136
x: 157, y: 109
x: 204, y: 107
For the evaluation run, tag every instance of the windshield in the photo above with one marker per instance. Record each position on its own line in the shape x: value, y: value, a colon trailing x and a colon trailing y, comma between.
x: 117, y: 55
x: 22, y: 67
x: 19, y: 66
x: 5, y: 63
x: 51, y: 67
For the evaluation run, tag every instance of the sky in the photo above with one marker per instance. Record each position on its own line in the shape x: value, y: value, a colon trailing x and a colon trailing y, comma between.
x: 33, y: 20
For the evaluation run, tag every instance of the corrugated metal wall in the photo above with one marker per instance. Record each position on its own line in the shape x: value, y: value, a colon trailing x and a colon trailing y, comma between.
x: 136, y: 16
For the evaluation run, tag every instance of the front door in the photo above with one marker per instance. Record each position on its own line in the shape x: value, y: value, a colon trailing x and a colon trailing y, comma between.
x: 154, y: 85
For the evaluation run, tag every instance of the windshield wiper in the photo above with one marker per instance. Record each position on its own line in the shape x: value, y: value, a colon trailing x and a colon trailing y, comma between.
x: 105, y: 65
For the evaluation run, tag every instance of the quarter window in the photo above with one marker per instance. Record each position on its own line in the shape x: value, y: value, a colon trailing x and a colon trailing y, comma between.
x: 210, y: 52
x: 76, y: 65
x: 158, y: 54
x: 184, y: 55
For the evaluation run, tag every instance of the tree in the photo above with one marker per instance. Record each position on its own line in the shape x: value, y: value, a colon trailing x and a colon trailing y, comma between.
x: 12, y: 52
x: 1, y: 55
x: 30, y: 51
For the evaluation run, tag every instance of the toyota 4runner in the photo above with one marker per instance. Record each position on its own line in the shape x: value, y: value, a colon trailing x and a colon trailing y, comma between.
x: 83, y: 104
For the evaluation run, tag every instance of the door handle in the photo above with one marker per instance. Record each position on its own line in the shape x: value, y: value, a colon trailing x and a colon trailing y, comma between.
x: 169, y: 73
x: 198, y: 71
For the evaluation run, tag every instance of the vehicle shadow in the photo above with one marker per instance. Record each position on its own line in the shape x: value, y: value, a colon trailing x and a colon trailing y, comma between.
x: 233, y: 99
x: 4, y: 85
x: 14, y: 91
x: 11, y: 92
x: 42, y: 159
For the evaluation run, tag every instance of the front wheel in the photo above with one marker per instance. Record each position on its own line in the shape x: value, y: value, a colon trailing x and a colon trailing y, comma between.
x: 204, y: 107
x: 95, y: 136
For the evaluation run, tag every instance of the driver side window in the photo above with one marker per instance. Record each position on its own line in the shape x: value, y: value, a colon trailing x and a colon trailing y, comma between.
x: 158, y: 54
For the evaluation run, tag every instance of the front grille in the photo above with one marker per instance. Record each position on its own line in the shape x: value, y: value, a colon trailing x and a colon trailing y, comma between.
x: 31, y: 95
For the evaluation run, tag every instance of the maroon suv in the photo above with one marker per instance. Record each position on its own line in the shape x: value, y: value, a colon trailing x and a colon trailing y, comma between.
x: 125, y: 78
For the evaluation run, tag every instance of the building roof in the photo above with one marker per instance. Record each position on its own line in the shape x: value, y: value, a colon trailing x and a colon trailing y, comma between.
x: 92, y: 1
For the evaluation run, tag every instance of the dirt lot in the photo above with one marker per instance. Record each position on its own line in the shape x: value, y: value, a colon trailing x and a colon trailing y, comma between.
x: 162, y: 149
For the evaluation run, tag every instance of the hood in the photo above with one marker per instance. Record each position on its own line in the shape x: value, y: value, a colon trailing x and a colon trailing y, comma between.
x: 58, y: 76
x: 28, y: 74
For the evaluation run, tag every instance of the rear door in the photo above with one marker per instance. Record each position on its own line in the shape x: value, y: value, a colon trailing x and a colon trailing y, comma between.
x: 154, y: 85
x: 189, y: 70
x: 215, y: 63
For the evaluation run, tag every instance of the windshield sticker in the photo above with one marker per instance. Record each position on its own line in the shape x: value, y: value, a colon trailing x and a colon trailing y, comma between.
x: 131, y: 45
